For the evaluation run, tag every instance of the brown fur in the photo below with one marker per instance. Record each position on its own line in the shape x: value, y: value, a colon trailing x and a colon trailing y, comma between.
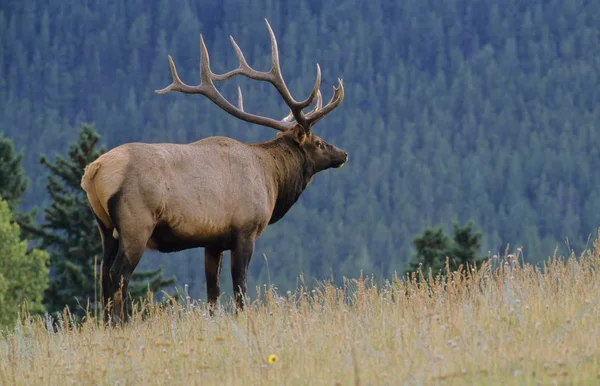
x: 210, y: 193
x: 100, y: 187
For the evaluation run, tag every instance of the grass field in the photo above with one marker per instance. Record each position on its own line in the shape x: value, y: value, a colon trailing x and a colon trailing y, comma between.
x: 507, y: 323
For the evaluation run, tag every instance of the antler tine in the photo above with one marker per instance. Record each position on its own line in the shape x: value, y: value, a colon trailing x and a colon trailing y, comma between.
x: 289, y: 117
x: 279, y: 82
x: 206, y: 75
x: 240, y: 99
x: 174, y: 86
x: 317, y: 107
x: 319, y: 102
x: 337, y: 98
x: 243, y: 69
x: 240, y: 54
x: 316, y: 89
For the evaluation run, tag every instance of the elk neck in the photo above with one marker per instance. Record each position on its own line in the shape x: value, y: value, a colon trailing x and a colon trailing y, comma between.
x: 291, y: 171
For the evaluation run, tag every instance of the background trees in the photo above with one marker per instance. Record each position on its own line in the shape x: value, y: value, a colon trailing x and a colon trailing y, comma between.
x: 454, y: 110
x: 433, y: 248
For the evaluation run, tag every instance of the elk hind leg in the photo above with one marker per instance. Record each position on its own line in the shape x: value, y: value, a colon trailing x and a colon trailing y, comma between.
x: 134, y: 231
x: 120, y: 273
x: 110, y: 248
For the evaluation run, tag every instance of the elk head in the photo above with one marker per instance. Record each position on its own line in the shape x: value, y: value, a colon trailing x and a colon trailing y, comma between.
x: 322, y: 154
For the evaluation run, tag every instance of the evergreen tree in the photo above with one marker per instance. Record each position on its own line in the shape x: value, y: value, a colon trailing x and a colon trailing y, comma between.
x: 13, y: 180
x: 69, y: 232
x: 433, y: 247
x: 23, y: 274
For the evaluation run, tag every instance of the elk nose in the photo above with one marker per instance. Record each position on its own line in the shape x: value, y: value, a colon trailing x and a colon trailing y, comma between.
x: 346, y: 156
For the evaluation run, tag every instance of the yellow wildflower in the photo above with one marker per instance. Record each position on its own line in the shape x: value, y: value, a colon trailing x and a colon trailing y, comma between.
x: 273, y: 358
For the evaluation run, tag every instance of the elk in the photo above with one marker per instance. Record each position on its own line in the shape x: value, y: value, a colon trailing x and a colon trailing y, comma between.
x: 216, y: 193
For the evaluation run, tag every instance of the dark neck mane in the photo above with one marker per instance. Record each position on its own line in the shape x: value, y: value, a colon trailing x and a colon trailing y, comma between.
x: 292, y: 172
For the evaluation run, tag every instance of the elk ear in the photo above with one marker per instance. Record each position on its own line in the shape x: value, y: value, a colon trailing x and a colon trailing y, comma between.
x: 299, y: 134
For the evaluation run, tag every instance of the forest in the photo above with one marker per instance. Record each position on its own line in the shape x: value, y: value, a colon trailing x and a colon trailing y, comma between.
x: 454, y: 111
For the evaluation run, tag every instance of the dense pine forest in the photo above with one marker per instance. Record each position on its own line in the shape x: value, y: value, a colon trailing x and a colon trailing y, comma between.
x: 454, y: 111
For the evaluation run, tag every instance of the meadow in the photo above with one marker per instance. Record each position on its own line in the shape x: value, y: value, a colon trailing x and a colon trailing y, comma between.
x: 505, y: 323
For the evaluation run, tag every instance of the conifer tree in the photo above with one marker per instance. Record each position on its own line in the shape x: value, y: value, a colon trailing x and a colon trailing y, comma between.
x: 13, y: 180
x: 69, y: 232
x: 433, y: 247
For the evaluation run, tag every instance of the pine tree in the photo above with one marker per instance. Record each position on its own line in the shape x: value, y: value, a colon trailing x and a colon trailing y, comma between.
x: 69, y: 232
x: 13, y: 180
x: 433, y: 247
x: 23, y: 274
x: 464, y: 248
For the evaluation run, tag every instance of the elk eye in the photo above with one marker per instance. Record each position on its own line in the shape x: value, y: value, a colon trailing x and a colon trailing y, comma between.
x: 319, y: 144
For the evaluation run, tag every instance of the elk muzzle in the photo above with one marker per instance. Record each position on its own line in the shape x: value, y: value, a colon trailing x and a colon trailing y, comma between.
x: 340, y: 159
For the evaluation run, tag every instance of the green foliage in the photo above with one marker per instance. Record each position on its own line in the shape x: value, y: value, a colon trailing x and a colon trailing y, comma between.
x: 23, y: 274
x: 433, y: 248
x: 69, y: 232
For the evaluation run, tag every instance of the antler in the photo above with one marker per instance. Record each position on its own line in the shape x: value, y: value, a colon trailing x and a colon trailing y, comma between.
x: 208, y: 89
x: 290, y: 116
x: 317, y: 114
x: 317, y: 107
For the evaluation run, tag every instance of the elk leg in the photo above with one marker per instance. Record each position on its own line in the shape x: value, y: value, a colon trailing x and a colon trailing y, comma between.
x: 240, y: 259
x: 213, y: 261
x: 135, y: 229
x: 120, y: 273
x: 110, y: 248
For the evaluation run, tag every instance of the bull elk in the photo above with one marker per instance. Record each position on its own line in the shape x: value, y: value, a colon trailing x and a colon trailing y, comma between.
x: 215, y: 193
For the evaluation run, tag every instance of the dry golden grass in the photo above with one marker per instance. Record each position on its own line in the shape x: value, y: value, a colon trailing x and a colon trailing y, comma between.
x: 503, y: 324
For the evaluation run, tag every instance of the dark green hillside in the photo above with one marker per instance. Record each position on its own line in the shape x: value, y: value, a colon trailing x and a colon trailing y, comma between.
x: 454, y: 110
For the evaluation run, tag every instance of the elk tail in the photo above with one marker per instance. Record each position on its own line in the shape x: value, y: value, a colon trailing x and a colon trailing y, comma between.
x: 88, y: 176
x: 88, y: 185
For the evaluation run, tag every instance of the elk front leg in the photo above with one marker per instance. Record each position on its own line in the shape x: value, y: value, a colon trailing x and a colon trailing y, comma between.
x: 213, y: 261
x: 240, y: 259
